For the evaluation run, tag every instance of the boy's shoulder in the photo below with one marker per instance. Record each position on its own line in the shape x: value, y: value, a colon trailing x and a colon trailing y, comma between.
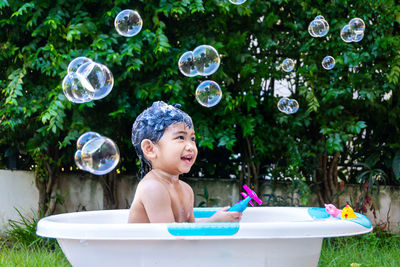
x: 148, y: 183
x: 186, y: 186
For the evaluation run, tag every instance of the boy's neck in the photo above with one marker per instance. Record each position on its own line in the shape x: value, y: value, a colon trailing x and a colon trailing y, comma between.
x: 171, y: 178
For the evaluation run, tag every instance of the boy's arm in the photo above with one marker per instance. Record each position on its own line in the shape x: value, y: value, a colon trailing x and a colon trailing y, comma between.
x: 223, y: 215
x: 157, y: 202
x: 191, y: 219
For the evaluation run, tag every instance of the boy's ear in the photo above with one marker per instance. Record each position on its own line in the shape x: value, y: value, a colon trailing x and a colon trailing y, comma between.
x: 149, y: 149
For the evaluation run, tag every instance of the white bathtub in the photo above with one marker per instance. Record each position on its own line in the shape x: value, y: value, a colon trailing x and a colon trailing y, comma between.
x: 266, y: 236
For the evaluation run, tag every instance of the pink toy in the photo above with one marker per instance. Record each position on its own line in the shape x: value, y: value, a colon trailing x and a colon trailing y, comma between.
x: 241, y: 205
x: 332, y: 210
x: 251, y: 194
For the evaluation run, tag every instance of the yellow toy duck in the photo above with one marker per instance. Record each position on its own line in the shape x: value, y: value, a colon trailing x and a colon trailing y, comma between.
x: 348, y: 213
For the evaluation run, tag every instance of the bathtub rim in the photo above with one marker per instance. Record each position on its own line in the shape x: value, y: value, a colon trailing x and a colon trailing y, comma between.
x: 53, y: 227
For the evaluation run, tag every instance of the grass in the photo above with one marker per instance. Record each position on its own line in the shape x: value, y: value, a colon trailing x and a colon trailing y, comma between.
x: 377, y: 249
x: 18, y: 255
x: 22, y: 247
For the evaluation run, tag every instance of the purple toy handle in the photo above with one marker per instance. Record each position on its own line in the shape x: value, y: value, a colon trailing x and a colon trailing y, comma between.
x: 251, y: 194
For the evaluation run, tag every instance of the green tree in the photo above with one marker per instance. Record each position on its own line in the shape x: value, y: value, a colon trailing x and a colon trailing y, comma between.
x: 346, y: 114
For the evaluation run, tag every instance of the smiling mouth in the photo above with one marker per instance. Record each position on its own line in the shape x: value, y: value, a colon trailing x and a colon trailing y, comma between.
x: 187, y: 159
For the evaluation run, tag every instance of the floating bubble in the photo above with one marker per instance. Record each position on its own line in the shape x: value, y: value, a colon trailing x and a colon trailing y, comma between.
x: 288, y: 106
x: 328, y: 63
x: 311, y: 30
x: 100, y: 155
x: 283, y: 104
x: 357, y: 25
x: 292, y: 106
x: 318, y: 27
x: 288, y: 65
x: 358, y: 37
x: 74, y: 90
x: 186, y: 64
x: 76, y: 63
x: 237, y: 2
x: 96, y: 78
x: 347, y: 34
x: 93, y: 75
x: 206, y: 60
x: 108, y: 84
x: 208, y: 94
x: 78, y: 160
x: 326, y: 27
x: 84, y: 138
x: 319, y: 17
x: 128, y: 23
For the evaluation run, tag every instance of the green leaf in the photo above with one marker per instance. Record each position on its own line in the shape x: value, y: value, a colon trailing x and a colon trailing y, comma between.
x: 372, y: 160
x: 396, y: 165
x: 23, y: 9
x: 3, y: 3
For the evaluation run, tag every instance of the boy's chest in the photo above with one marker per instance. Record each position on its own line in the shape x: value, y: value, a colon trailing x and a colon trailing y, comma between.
x: 181, y: 206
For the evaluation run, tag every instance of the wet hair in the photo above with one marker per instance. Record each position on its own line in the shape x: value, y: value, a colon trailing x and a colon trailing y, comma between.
x: 151, y: 124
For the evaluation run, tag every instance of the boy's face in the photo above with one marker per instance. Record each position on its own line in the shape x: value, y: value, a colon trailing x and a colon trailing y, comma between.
x: 176, y: 150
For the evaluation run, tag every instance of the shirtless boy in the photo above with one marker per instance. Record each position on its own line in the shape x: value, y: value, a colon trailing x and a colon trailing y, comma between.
x: 164, y: 139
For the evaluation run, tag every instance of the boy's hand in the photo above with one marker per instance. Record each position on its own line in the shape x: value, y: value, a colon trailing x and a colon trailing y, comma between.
x: 223, y: 215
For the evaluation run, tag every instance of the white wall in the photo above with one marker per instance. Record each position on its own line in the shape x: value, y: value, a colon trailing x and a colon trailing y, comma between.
x: 17, y: 191
x: 82, y: 192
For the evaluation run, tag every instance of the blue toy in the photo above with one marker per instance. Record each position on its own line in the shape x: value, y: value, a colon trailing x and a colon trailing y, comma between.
x: 242, y: 205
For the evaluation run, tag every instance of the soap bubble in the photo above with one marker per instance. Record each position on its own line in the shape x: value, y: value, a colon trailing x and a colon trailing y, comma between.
x: 288, y: 65
x: 206, y: 60
x: 84, y: 138
x: 87, y: 80
x: 93, y: 75
x: 318, y: 28
x: 237, y: 2
x: 354, y: 31
x: 326, y: 28
x: 76, y: 63
x: 292, y: 106
x: 357, y: 25
x: 96, y: 78
x: 208, y: 94
x: 78, y: 160
x: 347, y: 34
x: 186, y: 64
x: 358, y: 37
x: 283, y: 104
x: 311, y: 30
x: 74, y: 90
x: 328, y: 62
x: 288, y: 106
x: 108, y: 84
x: 100, y: 155
x: 128, y: 23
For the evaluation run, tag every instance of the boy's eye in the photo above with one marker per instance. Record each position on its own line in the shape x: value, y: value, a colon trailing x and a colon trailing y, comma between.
x: 181, y: 137
x: 194, y: 139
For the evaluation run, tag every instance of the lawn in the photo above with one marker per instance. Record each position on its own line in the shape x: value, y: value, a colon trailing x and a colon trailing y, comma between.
x: 31, y: 257
x: 372, y: 250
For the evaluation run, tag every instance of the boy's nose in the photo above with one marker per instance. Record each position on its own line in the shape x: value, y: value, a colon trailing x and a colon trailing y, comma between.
x: 190, y: 146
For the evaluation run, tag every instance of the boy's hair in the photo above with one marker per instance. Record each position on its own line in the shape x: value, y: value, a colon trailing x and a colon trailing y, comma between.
x: 151, y: 124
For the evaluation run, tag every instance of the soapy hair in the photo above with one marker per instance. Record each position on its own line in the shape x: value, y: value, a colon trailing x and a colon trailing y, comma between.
x: 151, y: 124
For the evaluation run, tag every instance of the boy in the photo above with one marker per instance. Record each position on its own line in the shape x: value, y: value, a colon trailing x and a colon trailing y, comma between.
x: 164, y: 139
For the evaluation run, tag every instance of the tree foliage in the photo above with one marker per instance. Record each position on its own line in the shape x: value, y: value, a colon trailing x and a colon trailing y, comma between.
x: 346, y: 114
